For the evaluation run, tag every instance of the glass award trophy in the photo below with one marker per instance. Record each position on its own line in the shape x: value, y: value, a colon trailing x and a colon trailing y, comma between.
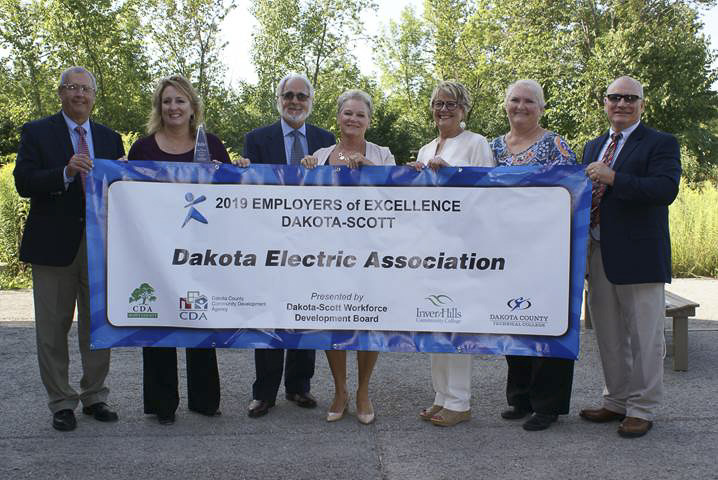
x: 201, y: 148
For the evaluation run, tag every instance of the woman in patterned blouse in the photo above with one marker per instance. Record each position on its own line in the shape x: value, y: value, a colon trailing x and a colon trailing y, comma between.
x: 527, y: 143
x: 541, y: 385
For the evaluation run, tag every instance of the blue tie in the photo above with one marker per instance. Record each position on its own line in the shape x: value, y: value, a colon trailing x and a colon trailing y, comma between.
x: 297, y: 152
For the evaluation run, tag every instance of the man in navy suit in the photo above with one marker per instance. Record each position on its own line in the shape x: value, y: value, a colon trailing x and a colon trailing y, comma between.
x: 635, y: 172
x: 54, y: 155
x: 285, y: 142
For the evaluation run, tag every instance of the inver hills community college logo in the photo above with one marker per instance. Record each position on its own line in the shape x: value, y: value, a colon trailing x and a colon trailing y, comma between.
x: 439, y: 300
x: 193, y: 213
x: 442, y: 310
x: 140, y: 302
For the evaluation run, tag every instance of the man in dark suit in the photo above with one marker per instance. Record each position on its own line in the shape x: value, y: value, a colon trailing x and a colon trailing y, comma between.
x: 635, y: 172
x: 54, y: 155
x: 285, y: 142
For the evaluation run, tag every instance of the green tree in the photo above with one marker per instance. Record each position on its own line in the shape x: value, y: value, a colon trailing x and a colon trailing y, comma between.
x: 574, y: 49
x: 313, y: 37
x: 144, y: 292
x: 105, y: 37
x: 41, y: 38
x: 406, y: 61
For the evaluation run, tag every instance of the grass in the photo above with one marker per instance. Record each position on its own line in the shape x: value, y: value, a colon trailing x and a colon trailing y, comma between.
x: 693, y: 220
x: 694, y: 231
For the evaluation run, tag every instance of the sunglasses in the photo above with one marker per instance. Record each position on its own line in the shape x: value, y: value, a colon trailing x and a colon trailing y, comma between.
x: 616, y: 97
x: 289, y: 96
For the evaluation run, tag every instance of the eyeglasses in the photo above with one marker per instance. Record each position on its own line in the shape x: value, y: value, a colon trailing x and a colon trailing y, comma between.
x: 616, y: 97
x: 73, y: 87
x: 438, y: 105
x: 289, y: 96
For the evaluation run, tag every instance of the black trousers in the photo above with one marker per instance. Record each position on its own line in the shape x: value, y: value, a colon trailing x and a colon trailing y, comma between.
x: 160, y: 384
x: 539, y: 384
x: 269, y: 364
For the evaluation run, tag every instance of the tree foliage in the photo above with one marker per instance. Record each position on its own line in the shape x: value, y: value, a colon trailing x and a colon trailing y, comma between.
x: 144, y: 292
x: 573, y: 48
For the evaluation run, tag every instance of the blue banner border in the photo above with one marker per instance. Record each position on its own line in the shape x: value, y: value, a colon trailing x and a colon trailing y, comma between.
x: 104, y: 335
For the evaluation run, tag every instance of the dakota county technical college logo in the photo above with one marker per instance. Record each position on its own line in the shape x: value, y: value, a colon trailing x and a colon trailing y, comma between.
x: 141, y: 300
x: 519, y: 303
x: 193, y: 306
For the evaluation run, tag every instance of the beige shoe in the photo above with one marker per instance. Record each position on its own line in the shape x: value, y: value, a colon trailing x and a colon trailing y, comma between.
x: 427, y: 413
x: 336, y: 416
x: 366, y: 418
x: 449, y: 418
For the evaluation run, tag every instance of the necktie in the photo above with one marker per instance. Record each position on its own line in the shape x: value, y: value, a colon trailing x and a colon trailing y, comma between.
x: 297, y: 152
x: 82, y: 148
x: 600, y: 188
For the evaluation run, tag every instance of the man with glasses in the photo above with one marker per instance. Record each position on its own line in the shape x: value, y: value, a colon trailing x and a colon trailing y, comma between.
x: 285, y: 142
x: 635, y: 172
x: 54, y: 156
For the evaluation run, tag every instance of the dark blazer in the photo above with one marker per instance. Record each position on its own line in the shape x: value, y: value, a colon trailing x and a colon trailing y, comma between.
x: 266, y: 144
x: 635, y: 242
x: 56, y: 221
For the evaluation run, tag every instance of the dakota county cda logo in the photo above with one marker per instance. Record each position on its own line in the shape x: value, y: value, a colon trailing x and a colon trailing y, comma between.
x: 438, y: 309
x: 193, y: 306
x: 141, y: 300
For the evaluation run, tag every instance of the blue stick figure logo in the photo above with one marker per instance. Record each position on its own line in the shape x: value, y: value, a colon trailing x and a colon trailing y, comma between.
x: 193, y: 213
x: 519, y: 303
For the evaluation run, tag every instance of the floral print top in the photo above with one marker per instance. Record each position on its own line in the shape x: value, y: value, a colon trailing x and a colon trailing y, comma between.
x: 549, y: 150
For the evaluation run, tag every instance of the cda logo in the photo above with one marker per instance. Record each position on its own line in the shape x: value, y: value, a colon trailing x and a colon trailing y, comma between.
x: 140, y: 302
x: 193, y: 306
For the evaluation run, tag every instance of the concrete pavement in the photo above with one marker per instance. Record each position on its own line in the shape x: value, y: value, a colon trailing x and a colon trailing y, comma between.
x: 295, y: 443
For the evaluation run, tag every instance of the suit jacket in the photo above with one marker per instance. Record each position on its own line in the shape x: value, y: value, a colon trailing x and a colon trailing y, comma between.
x: 266, y: 144
x: 635, y: 241
x: 56, y: 221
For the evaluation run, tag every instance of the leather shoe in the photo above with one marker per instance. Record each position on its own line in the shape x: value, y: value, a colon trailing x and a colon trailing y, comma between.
x: 168, y: 419
x: 64, y: 420
x: 304, y: 400
x: 101, y: 412
x: 632, y: 427
x: 258, y: 408
x: 600, y: 415
x: 514, y: 413
x: 539, y: 421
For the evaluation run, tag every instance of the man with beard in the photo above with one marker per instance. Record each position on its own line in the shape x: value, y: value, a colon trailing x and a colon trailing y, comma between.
x: 285, y: 142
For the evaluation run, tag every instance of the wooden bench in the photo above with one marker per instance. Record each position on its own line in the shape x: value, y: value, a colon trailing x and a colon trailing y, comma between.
x: 679, y: 309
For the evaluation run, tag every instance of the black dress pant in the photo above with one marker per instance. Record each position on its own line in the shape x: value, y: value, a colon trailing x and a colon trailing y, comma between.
x: 539, y: 384
x: 160, y: 384
x: 269, y: 364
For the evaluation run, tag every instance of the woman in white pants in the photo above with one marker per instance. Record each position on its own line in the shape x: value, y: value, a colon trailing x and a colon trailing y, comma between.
x: 454, y: 147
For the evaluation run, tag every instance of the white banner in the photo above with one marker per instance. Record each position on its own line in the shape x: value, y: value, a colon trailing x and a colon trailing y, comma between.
x: 474, y: 260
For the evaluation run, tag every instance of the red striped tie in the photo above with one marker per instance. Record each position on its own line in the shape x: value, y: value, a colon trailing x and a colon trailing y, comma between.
x: 82, y: 148
x: 600, y: 188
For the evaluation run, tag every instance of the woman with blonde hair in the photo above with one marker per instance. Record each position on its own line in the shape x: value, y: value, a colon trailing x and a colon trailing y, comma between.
x: 354, y: 109
x: 172, y: 128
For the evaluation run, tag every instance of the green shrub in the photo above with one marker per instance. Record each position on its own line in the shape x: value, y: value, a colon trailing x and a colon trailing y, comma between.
x: 694, y: 231
x: 13, y: 213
